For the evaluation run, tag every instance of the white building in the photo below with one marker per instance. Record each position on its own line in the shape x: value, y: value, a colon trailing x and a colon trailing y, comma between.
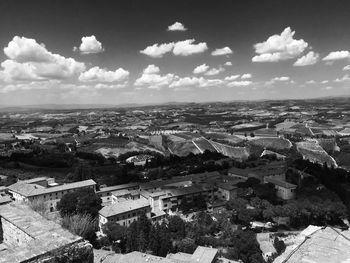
x: 124, y: 213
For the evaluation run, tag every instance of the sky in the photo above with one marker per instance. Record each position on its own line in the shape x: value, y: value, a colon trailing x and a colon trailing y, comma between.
x: 158, y: 51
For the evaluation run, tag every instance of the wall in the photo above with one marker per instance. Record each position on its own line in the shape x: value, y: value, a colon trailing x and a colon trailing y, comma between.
x: 13, y: 235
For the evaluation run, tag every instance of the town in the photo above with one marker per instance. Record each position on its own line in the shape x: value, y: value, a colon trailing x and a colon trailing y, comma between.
x: 189, y: 182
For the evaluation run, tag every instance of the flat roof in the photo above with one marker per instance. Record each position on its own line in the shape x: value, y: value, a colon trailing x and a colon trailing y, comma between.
x: 123, y: 207
x: 46, y: 234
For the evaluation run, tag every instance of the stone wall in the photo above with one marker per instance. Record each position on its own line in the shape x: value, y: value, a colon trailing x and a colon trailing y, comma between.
x: 13, y: 235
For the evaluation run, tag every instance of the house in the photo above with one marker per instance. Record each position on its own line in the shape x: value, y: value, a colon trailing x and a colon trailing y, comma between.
x: 124, y: 213
x: 227, y: 191
x: 284, y: 190
x: 45, y: 190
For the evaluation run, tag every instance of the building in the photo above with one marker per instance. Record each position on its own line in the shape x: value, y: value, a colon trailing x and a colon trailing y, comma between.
x: 125, y: 212
x: 106, y: 192
x: 227, y: 191
x: 284, y: 190
x: 45, y: 190
x: 28, y: 237
x: 201, y: 254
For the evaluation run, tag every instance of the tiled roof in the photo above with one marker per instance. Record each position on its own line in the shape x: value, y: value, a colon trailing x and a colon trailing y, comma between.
x: 123, y: 207
x: 28, y: 190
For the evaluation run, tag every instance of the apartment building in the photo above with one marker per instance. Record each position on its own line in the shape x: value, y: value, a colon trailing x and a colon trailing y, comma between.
x: 45, y: 190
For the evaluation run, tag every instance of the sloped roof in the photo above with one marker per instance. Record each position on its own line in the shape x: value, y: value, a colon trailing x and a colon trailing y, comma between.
x: 123, y: 207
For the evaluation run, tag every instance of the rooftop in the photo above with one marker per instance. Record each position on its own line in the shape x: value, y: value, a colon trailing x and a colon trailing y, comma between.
x: 280, y: 183
x: 321, y: 245
x: 123, y: 207
x: 117, y: 187
x: 32, y: 189
x: 46, y: 235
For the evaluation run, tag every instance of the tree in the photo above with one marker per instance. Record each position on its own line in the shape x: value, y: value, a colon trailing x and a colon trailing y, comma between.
x: 186, y: 245
x: 176, y: 227
x: 82, y: 201
x: 81, y: 225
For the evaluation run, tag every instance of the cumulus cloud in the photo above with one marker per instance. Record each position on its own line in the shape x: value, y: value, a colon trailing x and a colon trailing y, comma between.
x: 345, y: 78
x: 279, y: 47
x: 310, y: 58
x: 337, y: 55
x: 246, y: 76
x: 214, y: 71
x: 177, y: 26
x: 346, y: 68
x: 324, y: 81
x: 180, y: 48
x: 242, y: 83
x: 310, y: 82
x: 102, y: 75
x: 284, y: 78
x: 152, y: 80
x: 233, y: 77
x: 158, y: 50
x: 151, y: 69
x: 222, y: 51
x: 201, y: 69
x: 29, y: 60
x: 34, y: 85
x: 89, y: 45
x: 228, y: 63
x: 186, y: 47
x: 195, y: 82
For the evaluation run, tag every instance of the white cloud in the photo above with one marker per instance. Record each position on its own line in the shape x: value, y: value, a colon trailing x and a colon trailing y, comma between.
x: 180, y: 48
x: 246, y: 76
x: 346, y: 68
x: 324, y: 81
x: 214, y: 71
x: 89, y: 45
x: 284, y: 78
x: 310, y: 82
x: 195, y: 82
x: 152, y: 80
x: 310, y: 58
x: 158, y: 50
x: 327, y: 88
x: 177, y: 26
x: 102, y: 75
x: 242, y: 83
x: 228, y: 63
x: 151, y: 69
x: 201, y: 69
x: 186, y: 47
x: 337, y: 55
x: 222, y: 51
x: 345, y: 78
x: 279, y: 47
x: 34, y: 85
x: 233, y: 77
x: 32, y: 61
